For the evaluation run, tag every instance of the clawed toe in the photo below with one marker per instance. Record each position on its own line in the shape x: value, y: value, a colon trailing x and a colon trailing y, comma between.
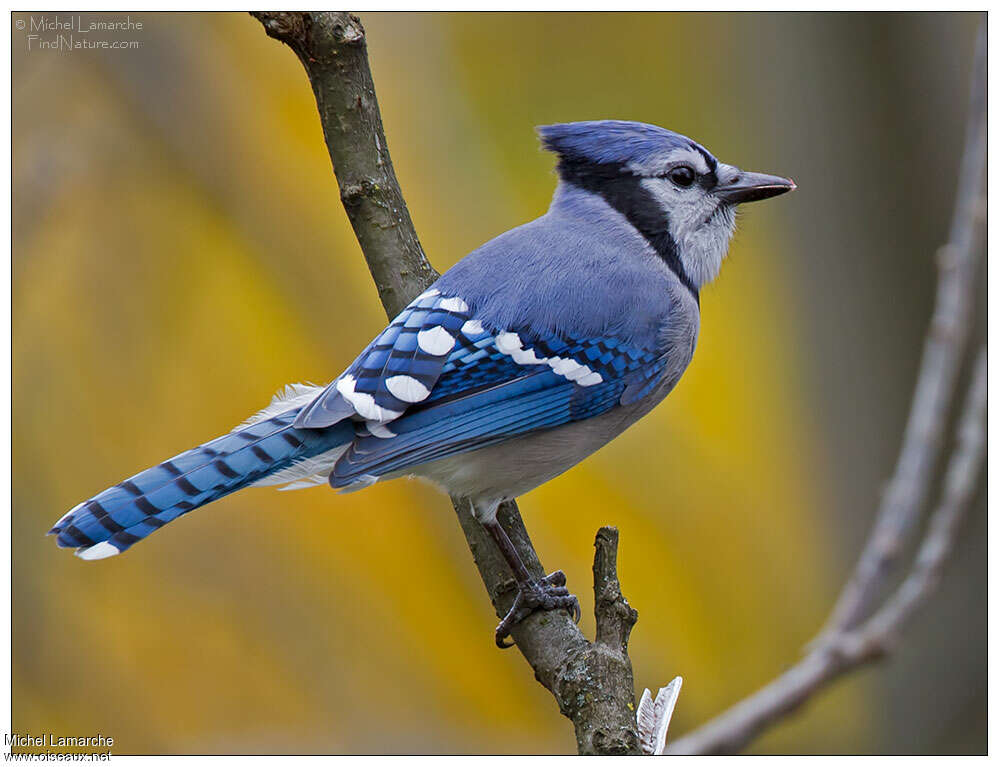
x: 556, y: 578
x: 548, y: 593
x: 577, y: 613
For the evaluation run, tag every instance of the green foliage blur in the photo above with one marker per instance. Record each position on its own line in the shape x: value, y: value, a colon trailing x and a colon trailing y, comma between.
x: 180, y: 253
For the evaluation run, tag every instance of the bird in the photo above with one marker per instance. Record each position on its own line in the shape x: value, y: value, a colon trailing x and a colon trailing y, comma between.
x: 529, y: 354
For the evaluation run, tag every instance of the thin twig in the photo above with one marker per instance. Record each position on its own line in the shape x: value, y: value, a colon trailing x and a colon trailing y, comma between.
x: 944, y: 347
x: 591, y: 682
x: 735, y: 728
x: 846, y: 643
x: 959, y: 485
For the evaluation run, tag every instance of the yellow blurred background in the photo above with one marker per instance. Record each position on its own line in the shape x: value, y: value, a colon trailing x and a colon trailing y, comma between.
x: 180, y: 253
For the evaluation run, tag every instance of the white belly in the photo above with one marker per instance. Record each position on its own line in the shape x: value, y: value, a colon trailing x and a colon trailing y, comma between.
x: 512, y: 468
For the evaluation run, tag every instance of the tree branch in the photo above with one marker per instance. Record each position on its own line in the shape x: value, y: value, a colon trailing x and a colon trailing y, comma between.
x: 591, y: 682
x: 959, y: 483
x: 943, y: 350
x: 845, y: 651
x: 333, y: 49
x: 846, y: 642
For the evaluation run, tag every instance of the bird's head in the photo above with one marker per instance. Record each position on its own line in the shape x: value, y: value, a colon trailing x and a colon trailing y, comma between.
x: 670, y: 188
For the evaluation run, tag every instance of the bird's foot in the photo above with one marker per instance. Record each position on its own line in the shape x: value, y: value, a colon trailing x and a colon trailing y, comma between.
x: 549, y: 593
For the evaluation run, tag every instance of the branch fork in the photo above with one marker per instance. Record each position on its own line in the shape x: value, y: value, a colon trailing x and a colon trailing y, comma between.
x: 592, y: 682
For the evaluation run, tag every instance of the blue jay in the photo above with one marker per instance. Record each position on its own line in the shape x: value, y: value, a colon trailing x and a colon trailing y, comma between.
x: 529, y: 354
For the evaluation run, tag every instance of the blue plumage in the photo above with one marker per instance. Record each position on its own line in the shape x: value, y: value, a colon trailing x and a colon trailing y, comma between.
x: 122, y: 515
x: 530, y: 353
x: 485, y: 395
x: 400, y: 367
x: 612, y: 141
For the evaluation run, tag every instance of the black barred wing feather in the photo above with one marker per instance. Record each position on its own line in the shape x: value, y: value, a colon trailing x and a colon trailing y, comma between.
x: 398, y: 369
x: 496, y: 386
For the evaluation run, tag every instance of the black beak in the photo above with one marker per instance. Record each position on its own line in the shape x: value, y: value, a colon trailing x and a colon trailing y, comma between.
x: 749, y: 187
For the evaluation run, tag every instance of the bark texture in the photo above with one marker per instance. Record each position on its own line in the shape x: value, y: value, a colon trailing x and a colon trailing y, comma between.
x: 591, y: 681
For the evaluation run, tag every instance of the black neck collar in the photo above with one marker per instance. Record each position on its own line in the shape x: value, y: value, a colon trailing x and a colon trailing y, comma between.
x: 623, y: 191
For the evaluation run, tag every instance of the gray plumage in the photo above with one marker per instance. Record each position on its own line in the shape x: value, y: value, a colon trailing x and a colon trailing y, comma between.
x: 532, y: 352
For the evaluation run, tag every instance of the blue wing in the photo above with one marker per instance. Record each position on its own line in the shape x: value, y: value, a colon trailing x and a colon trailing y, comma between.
x: 495, y: 385
x: 399, y: 368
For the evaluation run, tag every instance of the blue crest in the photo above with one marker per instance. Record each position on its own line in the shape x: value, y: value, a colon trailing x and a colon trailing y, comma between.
x: 611, y: 141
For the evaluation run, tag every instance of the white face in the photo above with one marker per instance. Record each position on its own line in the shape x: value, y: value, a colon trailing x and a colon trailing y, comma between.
x: 699, y: 222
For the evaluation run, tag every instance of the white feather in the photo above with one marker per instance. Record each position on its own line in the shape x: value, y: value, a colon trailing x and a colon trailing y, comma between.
x: 290, y: 397
x: 379, y: 430
x: 472, y: 328
x: 527, y: 357
x: 454, y: 304
x: 101, y: 550
x: 654, y: 717
x: 365, y: 480
x: 700, y: 226
x: 405, y: 388
x: 364, y: 403
x: 307, y: 472
x: 435, y: 340
x: 576, y: 373
x: 314, y: 481
x: 564, y: 366
x: 508, y: 343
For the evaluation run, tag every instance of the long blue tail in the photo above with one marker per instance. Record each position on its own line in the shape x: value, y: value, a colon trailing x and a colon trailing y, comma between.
x: 120, y: 516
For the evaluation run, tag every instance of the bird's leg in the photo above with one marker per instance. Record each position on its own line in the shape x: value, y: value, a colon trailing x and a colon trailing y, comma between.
x: 548, y: 593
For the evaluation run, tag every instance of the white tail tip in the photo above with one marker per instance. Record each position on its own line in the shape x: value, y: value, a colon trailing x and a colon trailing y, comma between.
x: 101, y: 550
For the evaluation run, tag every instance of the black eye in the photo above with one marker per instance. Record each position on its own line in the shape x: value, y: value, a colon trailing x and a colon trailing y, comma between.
x: 682, y: 175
